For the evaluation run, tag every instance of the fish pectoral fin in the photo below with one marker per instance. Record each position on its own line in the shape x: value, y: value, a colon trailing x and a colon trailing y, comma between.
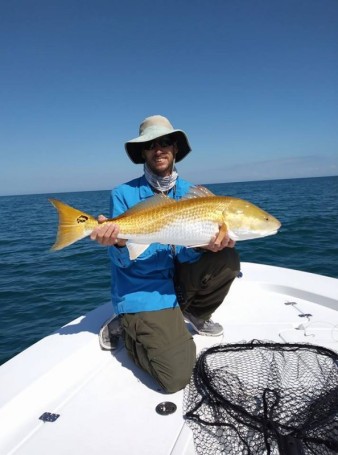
x: 223, y: 231
x: 135, y: 249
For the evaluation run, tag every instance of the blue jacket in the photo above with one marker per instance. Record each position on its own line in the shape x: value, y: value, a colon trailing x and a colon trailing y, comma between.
x: 146, y: 283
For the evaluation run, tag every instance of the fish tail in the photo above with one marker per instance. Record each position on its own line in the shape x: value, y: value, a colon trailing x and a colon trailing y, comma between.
x: 73, y: 225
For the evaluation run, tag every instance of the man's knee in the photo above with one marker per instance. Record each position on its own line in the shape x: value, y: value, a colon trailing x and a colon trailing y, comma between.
x: 176, y: 382
x: 174, y: 369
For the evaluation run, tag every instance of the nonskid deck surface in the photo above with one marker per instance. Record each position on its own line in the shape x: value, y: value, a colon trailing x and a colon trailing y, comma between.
x: 107, y: 404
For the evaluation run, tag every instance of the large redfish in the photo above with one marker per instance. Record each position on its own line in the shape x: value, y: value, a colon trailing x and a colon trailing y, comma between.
x: 192, y: 221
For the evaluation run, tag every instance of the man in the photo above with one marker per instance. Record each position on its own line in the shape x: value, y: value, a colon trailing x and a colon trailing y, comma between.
x: 145, y: 292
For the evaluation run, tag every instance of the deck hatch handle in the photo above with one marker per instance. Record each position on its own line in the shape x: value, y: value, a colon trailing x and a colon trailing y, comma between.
x: 165, y: 408
x: 49, y: 417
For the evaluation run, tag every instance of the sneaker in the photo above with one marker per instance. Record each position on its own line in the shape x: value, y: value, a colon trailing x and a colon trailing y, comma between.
x: 110, y: 333
x: 208, y: 328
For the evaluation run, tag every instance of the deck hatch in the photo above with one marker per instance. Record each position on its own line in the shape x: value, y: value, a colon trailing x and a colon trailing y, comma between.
x: 165, y: 408
x: 49, y: 417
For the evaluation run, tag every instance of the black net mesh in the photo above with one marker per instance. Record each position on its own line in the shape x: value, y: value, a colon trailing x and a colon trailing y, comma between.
x: 264, y: 398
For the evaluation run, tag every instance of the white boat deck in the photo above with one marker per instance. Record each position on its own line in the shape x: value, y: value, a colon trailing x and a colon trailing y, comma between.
x: 107, y: 405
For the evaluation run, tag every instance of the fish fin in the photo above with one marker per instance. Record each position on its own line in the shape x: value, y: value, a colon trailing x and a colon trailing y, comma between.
x: 135, y: 249
x: 223, y: 231
x: 73, y: 225
x: 198, y: 191
x: 158, y: 200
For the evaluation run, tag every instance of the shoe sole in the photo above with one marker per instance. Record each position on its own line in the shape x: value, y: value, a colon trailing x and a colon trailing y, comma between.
x: 103, y: 345
x: 205, y: 334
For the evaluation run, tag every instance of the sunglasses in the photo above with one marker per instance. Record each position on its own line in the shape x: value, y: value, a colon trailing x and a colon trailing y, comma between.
x: 165, y: 141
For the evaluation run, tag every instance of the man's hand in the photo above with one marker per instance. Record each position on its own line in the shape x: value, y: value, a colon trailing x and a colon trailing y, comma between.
x: 106, y: 234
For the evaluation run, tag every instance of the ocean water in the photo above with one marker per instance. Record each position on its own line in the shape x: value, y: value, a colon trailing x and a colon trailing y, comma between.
x: 41, y: 291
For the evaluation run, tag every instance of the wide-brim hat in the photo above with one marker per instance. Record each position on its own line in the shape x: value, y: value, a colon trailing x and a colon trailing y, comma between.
x: 152, y: 128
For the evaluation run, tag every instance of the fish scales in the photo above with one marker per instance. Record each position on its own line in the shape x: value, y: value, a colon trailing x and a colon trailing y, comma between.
x: 191, y: 211
x: 192, y: 222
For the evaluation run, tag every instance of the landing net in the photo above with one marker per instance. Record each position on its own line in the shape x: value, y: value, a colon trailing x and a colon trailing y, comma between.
x: 264, y: 398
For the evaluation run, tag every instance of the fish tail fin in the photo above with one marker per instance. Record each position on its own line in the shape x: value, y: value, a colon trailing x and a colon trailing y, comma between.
x: 73, y: 225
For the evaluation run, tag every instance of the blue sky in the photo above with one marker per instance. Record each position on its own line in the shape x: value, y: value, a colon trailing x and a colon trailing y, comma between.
x: 254, y: 83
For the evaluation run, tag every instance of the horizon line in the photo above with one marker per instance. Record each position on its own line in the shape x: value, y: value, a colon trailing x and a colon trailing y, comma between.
x: 210, y: 183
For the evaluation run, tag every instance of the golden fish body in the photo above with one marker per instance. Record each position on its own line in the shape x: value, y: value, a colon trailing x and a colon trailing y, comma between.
x: 191, y: 221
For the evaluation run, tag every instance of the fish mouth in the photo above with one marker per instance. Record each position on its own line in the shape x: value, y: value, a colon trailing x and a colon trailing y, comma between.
x: 278, y: 224
x: 250, y: 235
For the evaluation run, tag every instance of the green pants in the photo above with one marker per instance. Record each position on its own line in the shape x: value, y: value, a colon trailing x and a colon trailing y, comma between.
x: 205, y: 283
x: 158, y: 341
